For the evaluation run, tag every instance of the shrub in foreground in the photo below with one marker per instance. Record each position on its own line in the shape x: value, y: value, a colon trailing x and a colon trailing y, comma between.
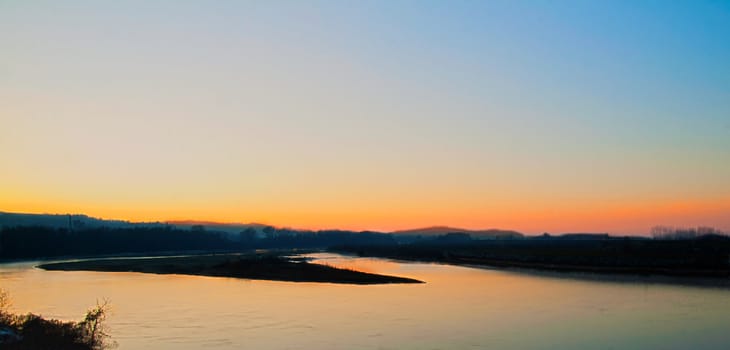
x: 30, y: 331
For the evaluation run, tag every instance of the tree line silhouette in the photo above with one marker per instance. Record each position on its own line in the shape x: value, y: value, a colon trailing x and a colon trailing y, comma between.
x: 670, y: 248
x: 24, y: 242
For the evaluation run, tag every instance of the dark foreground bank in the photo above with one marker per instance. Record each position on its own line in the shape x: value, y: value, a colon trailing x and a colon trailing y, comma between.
x: 251, y: 266
x: 34, y: 332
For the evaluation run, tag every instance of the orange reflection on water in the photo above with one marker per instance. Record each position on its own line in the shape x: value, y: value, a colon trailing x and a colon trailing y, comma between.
x: 362, y: 264
x: 457, y: 308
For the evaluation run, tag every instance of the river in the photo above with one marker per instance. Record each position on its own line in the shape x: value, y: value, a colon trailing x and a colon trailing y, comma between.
x: 457, y: 308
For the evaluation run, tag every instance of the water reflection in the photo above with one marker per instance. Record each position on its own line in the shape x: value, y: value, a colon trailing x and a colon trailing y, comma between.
x: 457, y: 308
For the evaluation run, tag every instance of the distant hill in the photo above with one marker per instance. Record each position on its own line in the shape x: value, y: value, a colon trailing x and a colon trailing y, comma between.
x: 84, y: 221
x: 443, y: 230
x: 75, y: 221
x: 80, y: 221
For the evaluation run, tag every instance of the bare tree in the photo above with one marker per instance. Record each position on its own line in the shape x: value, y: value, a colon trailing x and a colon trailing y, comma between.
x: 93, y: 327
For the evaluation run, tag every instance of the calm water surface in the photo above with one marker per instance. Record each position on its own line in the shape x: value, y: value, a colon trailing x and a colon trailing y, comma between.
x: 458, y: 308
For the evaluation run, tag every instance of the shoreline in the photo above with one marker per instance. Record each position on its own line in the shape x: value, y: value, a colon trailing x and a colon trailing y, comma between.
x: 580, y: 258
x: 598, y: 269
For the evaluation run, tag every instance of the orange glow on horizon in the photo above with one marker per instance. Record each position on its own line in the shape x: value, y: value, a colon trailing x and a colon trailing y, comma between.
x: 617, y: 217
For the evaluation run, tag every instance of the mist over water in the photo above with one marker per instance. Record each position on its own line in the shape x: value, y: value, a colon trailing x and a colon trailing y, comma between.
x: 457, y: 308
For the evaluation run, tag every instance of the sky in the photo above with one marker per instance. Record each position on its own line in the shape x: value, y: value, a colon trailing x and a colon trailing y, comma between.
x: 538, y: 116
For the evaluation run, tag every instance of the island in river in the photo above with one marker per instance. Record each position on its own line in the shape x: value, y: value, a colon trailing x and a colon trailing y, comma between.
x: 266, y: 266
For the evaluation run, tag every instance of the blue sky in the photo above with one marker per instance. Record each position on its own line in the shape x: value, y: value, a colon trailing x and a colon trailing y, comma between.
x: 369, y: 114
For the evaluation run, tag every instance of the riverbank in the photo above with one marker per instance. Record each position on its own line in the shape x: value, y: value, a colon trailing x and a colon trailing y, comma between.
x: 266, y: 266
x: 565, y: 267
x: 691, y: 258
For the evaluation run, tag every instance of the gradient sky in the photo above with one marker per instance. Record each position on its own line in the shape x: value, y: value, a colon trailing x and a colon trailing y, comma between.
x: 534, y: 115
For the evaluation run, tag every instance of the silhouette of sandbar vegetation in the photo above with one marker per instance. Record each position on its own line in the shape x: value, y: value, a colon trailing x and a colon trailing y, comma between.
x: 266, y: 266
